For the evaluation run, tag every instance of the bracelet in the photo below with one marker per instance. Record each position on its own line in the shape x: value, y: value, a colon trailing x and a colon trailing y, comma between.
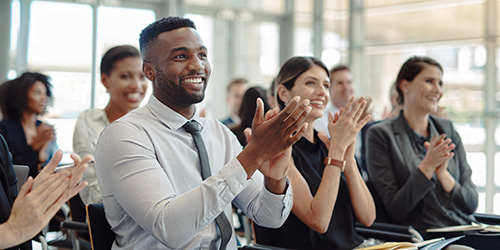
x: 336, y: 163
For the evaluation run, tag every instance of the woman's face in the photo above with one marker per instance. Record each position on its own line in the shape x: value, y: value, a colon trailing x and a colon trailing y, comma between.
x: 126, y: 83
x: 313, y: 85
x: 425, y: 90
x: 37, y: 98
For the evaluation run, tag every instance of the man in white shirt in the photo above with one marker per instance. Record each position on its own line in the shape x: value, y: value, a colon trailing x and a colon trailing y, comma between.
x: 341, y: 90
x: 148, y: 165
x: 235, y: 92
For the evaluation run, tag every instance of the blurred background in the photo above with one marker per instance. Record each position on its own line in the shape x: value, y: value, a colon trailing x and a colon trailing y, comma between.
x: 65, y: 39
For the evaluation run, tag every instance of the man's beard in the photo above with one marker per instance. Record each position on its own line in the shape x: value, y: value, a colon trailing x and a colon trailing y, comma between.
x: 176, y: 92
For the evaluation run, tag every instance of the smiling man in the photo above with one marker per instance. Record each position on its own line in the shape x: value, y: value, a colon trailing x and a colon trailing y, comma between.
x: 150, y: 166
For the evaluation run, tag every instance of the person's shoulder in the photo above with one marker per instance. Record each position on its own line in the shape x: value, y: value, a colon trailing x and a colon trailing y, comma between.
x: 138, y: 118
x: 441, y: 121
x: 227, y: 121
x: 9, y: 124
x: 92, y: 114
x: 382, y: 125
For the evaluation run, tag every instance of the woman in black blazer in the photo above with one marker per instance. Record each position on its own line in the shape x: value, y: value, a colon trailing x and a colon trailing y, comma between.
x: 416, y: 161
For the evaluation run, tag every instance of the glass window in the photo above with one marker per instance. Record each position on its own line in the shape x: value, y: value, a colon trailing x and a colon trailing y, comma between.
x: 481, y: 205
x: 60, y: 37
x: 115, y: 27
x: 338, y: 5
x: 303, y: 34
x: 477, y: 163
x: 496, y: 203
x: 275, y: 6
x: 14, y: 31
x: 60, y: 45
x: 432, y: 22
x: 378, y: 3
x: 335, y: 32
x: 497, y: 168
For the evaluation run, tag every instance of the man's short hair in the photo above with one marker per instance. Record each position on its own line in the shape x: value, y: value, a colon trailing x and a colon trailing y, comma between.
x: 236, y: 81
x: 150, y: 34
x: 339, y: 68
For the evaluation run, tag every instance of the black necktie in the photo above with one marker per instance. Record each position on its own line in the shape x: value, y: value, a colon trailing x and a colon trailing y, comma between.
x: 222, y: 221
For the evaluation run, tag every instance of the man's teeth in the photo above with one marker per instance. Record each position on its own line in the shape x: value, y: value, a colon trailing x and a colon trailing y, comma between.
x: 193, y: 80
x: 134, y: 96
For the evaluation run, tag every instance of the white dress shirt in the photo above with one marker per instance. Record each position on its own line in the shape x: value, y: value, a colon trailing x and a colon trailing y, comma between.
x: 154, y: 197
x: 88, y: 127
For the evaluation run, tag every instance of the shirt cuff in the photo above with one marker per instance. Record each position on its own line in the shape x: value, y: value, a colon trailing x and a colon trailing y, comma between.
x: 283, y: 201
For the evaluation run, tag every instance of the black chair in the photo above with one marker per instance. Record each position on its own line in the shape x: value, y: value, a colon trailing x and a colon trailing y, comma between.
x: 77, y: 224
x: 101, y: 236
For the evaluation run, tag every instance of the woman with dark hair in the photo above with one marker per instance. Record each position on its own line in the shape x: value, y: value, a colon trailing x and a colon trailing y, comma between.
x: 22, y: 101
x: 121, y: 74
x: 329, y: 192
x: 247, y: 111
x: 417, y: 161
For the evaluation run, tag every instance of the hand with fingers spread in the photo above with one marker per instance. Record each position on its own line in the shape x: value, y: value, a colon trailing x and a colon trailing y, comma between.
x: 33, y: 209
x: 39, y: 200
x: 439, y: 152
x: 345, y: 125
x: 75, y: 174
x: 271, y: 136
x: 276, y: 167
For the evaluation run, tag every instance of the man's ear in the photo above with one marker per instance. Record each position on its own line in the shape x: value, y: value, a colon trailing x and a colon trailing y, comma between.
x: 149, y: 71
x: 283, y: 94
x: 104, y: 80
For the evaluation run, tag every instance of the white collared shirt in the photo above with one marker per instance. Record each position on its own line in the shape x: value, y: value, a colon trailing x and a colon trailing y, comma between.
x: 154, y: 197
x: 88, y: 127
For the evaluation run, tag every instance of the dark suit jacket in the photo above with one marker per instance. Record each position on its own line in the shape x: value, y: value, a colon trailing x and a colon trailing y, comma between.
x: 400, y: 184
x: 22, y: 153
x: 8, y: 186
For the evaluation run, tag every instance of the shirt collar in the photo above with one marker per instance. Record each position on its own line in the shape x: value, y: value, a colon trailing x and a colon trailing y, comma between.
x: 168, y: 116
x: 416, y: 137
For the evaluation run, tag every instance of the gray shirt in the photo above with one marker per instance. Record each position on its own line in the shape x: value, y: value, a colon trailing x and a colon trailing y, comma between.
x: 154, y: 197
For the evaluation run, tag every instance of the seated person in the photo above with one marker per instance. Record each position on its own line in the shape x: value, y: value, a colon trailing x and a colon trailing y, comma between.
x: 23, y: 215
x: 154, y: 164
x: 22, y: 100
x: 417, y: 161
x: 121, y: 74
x: 328, y: 197
x: 235, y: 91
x: 247, y: 112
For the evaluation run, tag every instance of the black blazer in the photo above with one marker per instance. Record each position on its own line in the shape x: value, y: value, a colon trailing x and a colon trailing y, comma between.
x: 397, y: 179
x: 8, y: 186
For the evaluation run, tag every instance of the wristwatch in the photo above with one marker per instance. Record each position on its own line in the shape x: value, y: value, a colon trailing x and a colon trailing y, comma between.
x: 336, y: 163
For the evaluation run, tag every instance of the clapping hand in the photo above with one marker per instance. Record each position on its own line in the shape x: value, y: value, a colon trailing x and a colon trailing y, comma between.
x: 74, y: 174
x: 439, y: 152
x: 346, y: 124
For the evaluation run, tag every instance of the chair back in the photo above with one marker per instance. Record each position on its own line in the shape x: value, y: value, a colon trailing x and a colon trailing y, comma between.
x: 78, y: 213
x: 22, y: 172
x: 101, y: 236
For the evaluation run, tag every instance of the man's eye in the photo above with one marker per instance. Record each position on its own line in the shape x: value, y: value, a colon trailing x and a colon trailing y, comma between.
x: 203, y: 55
x: 182, y: 56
